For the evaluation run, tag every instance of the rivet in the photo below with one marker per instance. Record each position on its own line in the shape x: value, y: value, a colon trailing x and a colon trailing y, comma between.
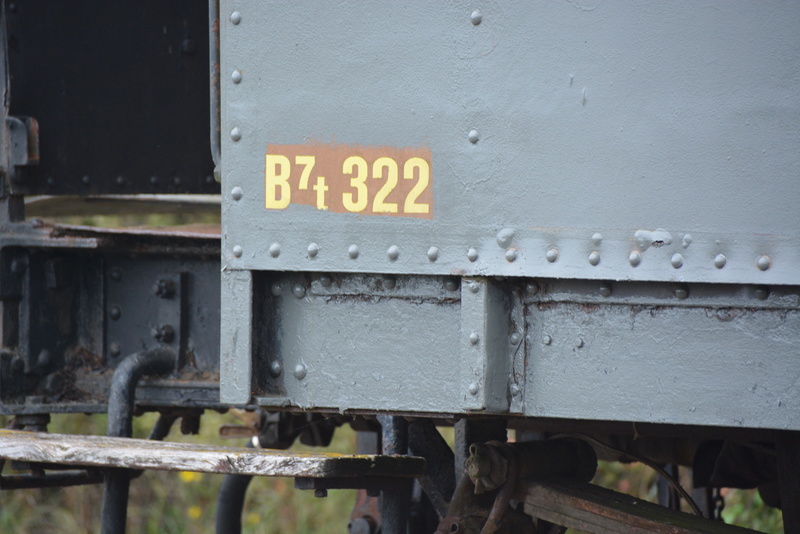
x: 473, y: 388
x: 594, y: 258
x: 764, y: 263
x: 114, y: 349
x: 474, y: 136
x: 676, y: 261
x: 474, y: 338
x: 531, y: 288
x: 504, y: 237
x: 115, y: 313
x: 236, y: 17
x: 605, y: 290
x: 298, y: 291
x: 325, y: 280
x: 276, y: 290
x: 579, y: 343
x: 236, y: 76
x: 762, y: 293
x: 299, y: 371
x: 635, y: 258
x: 451, y: 284
x: 237, y: 251
x: 515, y: 338
x: 547, y: 340
x: 552, y: 254
x: 236, y: 193
x: 275, y: 250
x: 393, y: 253
x: 153, y: 180
x: 313, y: 250
x: 511, y: 254
x: 476, y: 17
x: 472, y: 254
x: 681, y: 292
x: 515, y: 390
x: 236, y: 134
x: 687, y: 240
x: 474, y: 287
x: 275, y: 368
x: 85, y: 180
x: 720, y: 260
x: 390, y: 282
x: 433, y: 254
x: 353, y: 252
x: 120, y: 180
x: 597, y: 238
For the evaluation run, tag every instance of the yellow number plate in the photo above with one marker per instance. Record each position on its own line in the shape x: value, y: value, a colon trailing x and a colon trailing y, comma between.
x: 350, y: 179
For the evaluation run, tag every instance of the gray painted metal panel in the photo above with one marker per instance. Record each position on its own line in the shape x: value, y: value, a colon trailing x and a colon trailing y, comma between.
x: 599, y: 124
x: 236, y: 337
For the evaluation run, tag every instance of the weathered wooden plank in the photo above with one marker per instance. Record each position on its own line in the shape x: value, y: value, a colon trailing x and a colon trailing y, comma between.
x: 102, y: 451
x: 591, y: 508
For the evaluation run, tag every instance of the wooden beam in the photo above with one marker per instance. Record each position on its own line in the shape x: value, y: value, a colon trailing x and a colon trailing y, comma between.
x: 102, y: 451
x: 590, y: 508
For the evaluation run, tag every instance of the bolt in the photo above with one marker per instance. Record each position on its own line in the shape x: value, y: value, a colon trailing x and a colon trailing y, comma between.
x: 325, y: 280
x: 531, y: 288
x: 237, y: 251
x: 298, y: 291
x: 676, y: 261
x: 163, y: 334
x: 476, y: 17
x: 276, y: 290
x: 393, y: 253
x: 236, y: 76
x: 594, y: 258
x: 472, y: 254
x: 515, y: 338
x: 433, y: 254
x: 299, y: 371
x: 115, y: 313
x: 275, y: 250
x: 605, y: 290
x: 635, y: 258
x: 720, y: 260
x: 764, y: 263
x: 681, y: 292
x: 313, y: 250
x: 390, y: 282
x: 547, y: 340
x: 762, y: 293
x: 114, y: 349
x: 320, y: 493
x: 474, y: 338
x: 451, y: 284
x: 353, y: 252
x: 579, y: 343
x: 164, y: 288
x: 511, y: 254
x: 236, y: 193
x: 275, y: 368
x: 236, y: 133
x: 474, y: 136
x: 236, y: 18
x: 473, y: 388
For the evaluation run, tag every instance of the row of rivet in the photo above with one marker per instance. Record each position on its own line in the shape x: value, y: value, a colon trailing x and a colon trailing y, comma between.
x: 393, y: 253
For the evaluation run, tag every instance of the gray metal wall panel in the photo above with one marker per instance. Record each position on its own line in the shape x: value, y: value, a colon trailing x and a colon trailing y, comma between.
x: 595, y: 122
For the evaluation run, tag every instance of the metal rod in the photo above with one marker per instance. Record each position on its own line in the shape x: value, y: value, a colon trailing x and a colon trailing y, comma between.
x: 213, y: 51
x: 121, y: 399
x: 51, y: 480
x: 395, y: 502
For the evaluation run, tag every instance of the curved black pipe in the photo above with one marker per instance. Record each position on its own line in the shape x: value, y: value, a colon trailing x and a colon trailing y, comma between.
x: 121, y: 401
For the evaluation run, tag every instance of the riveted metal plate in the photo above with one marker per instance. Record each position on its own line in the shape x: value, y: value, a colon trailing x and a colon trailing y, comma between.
x: 655, y: 142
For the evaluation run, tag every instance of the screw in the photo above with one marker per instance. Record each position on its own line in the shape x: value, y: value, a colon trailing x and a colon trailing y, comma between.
x: 547, y: 340
x: 236, y: 193
x: 299, y: 371
x: 476, y: 17
x: 276, y: 290
x: 236, y: 133
x: 298, y: 291
x: 474, y: 338
x: 676, y: 261
x: 236, y: 76
x: 511, y: 254
x: 472, y: 254
x: 764, y: 263
x: 681, y: 292
x: 275, y: 250
x: 594, y: 258
x: 237, y: 251
x: 473, y: 388
x: 762, y: 293
x: 236, y: 18
x: 114, y: 349
x: 393, y: 253
x: 552, y: 254
x: 353, y: 252
x: 164, y: 288
x: 313, y: 250
x: 451, y: 284
x: 720, y: 260
x: 275, y: 368
x: 635, y: 258
x: 433, y: 254
x: 474, y: 136
x: 115, y: 313
x: 605, y: 290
